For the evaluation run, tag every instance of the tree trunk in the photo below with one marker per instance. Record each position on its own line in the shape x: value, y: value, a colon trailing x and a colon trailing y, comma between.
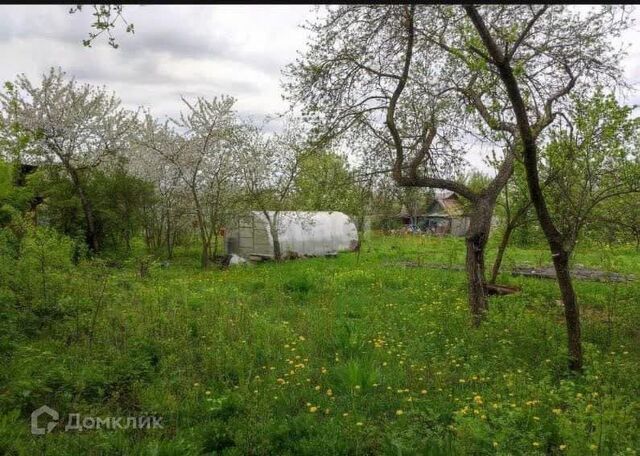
x: 91, y: 234
x: 206, y: 244
x: 169, y: 236
x: 215, y: 244
x: 530, y: 158
x: 273, y: 228
x: 504, y: 242
x: 204, y: 257
x: 476, y: 241
x: 571, y: 309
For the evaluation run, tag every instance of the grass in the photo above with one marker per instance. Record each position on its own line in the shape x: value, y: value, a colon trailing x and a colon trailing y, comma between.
x: 341, y: 355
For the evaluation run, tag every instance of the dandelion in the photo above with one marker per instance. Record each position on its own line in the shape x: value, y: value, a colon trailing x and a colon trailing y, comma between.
x: 196, y: 384
x: 478, y: 399
x: 495, y: 444
x: 359, y: 423
x: 317, y: 388
x: 593, y: 447
x: 562, y: 447
x: 399, y: 412
x: 536, y: 444
x: 423, y: 392
x: 329, y: 392
x: 557, y: 411
x: 207, y: 392
x: 345, y: 414
x: 313, y: 409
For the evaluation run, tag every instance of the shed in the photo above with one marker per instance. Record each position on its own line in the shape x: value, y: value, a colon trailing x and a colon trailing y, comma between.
x: 300, y: 233
x: 445, y: 215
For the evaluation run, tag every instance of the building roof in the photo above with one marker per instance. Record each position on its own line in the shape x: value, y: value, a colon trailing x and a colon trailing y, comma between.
x: 447, y: 206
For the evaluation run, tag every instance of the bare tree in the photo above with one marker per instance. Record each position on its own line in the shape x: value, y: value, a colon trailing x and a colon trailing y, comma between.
x: 541, y: 54
x: 79, y: 127
x: 197, y: 147
x: 382, y: 75
x: 269, y: 166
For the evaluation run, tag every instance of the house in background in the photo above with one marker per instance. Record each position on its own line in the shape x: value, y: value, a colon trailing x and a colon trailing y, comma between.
x: 446, y: 215
x: 443, y: 215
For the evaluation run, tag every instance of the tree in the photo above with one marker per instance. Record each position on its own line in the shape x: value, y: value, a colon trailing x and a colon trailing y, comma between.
x: 106, y: 17
x: 79, y: 127
x: 379, y: 77
x: 200, y: 156
x: 324, y: 183
x: 619, y: 217
x: 540, y: 55
x: 269, y: 167
x: 516, y: 210
x: 414, y: 200
x: 594, y: 154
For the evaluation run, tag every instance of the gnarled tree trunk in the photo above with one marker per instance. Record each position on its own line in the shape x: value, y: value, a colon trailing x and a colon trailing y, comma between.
x: 476, y: 242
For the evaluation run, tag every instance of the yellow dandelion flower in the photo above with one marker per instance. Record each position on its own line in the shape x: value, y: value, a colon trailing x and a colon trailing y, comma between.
x: 359, y: 423
x: 562, y: 447
x: 399, y: 412
x: 313, y: 409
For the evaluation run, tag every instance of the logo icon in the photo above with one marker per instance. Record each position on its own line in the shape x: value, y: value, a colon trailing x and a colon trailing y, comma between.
x: 53, y: 420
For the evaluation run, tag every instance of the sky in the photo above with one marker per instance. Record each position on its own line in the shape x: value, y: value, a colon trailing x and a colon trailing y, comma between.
x: 181, y: 50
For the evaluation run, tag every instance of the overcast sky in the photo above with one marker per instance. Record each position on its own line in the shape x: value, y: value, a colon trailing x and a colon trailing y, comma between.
x: 178, y: 50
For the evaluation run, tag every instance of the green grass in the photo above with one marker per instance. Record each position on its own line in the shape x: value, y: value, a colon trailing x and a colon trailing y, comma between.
x: 341, y: 355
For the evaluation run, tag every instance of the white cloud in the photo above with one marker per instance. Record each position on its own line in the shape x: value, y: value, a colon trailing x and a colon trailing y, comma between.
x: 183, y: 50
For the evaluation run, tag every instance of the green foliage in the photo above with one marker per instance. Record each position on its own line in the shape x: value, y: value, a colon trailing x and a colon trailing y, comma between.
x: 118, y: 201
x: 324, y: 183
x: 594, y: 160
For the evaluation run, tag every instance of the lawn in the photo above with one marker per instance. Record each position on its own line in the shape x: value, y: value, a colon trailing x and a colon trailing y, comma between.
x: 357, y: 354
